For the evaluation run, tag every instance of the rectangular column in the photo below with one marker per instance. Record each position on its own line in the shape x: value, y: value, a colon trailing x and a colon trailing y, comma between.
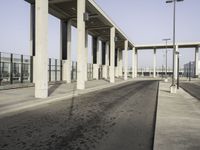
x: 86, y: 55
x: 126, y: 60
x: 117, y: 63
x: 106, y: 60
x: 94, y: 50
x: 41, y: 47
x: 197, y: 62
x: 96, y: 58
x: 120, y: 63
x: 136, y: 63
x: 66, y: 49
x: 81, y: 6
x: 98, y: 51
x: 133, y: 62
x: 176, y: 63
x: 32, y: 40
x: 154, y: 63
x: 112, y: 55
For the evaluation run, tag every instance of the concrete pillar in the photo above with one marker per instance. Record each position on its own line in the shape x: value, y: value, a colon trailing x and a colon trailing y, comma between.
x: 98, y: 60
x: 154, y: 63
x: 105, y: 67
x: 41, y: 47
x: 126, y: 60
x: 81, y: 6
x: 117, y: 67
x: 120, y: 63
x: 98, y: 51
x: 94, y: 50
x: 32, y: 37
x: 133, y: 62
x: 136, y: 63
x: 112, y: 55
x: 86, y: 55
x: 66, y: 49
x: 175, y: 64
x: 197, y: 62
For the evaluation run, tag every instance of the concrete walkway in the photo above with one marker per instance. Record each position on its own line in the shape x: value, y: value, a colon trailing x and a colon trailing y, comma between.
x: 178, y: 121
x: 18, y: 100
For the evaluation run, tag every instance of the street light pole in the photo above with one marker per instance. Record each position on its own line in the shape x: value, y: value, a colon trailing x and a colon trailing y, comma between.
x: 173, y: 86
x: 166, y: 40
x: 178, y: 62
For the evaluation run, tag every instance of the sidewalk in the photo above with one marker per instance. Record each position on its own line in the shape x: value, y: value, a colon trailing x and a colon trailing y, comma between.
x: 19, y: 100
x: 178, y: 121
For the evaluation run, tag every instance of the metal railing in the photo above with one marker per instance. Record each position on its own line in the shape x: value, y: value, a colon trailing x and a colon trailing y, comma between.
x: 15, y: 68
x: 90, y: 71
x: 55, y: 70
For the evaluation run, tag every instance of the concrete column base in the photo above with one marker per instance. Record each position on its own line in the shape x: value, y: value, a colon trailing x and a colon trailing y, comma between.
x: 41, y: 93
x: 34, y: 67
x: 66, y: 71
x: 105, y: 72
x: 96, y: 71
x: 116, y: 72
x: 112, y: 74
x: 173, y: 89
x: 165, y: 80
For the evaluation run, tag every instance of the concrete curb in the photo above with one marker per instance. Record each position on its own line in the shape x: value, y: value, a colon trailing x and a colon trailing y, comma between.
x: 11, y: 110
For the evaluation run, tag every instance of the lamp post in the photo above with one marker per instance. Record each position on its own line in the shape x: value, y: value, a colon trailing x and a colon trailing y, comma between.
x: 177, y: 53
x: 166, y: 40
x: 173, y: 86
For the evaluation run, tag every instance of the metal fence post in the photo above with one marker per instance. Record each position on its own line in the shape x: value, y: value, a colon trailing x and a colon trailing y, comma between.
x: 61, y: 71
x: 55, y: 69
x: 22, y: 70
x: 11, y: 68
x: 49, y: 69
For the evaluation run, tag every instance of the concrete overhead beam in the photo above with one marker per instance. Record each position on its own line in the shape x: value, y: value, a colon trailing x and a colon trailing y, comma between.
x: 98, y: 28
x: 163, y: 46
x: 58, y: 1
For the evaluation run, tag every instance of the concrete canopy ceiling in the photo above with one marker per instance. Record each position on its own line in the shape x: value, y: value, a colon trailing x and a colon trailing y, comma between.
x: 99, y: 23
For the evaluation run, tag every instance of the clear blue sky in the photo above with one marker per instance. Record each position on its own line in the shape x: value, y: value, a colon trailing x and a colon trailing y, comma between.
x: 144, y: 22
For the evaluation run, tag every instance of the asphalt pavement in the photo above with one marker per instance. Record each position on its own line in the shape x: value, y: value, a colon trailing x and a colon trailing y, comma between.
x: 116, y: 118
x: 192, y: 88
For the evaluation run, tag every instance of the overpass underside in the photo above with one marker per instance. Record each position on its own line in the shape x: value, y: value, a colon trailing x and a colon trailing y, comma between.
x: 89, y: 19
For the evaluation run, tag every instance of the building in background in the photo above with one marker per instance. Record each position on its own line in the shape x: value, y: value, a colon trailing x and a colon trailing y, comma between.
x: 189, y: 69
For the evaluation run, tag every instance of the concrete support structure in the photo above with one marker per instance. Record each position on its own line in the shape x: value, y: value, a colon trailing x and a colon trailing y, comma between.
x: 197, y: 62
x: 112, y: 55
x: 32, y: 38
x: 126, y: 60
x: 133, y: 62
x: 105, y: 67
x: 117, y: 67
x: 98, y: 51
x: 176, y: 63
x: 66, y: 50
x: 81, y: 6
x: 41, y: 47
x: 120, y: 66
x: 136, y: 62
x: 86, y: 54
x: 96, y: 58
x: 173, y: 88
x: 154, y: 63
